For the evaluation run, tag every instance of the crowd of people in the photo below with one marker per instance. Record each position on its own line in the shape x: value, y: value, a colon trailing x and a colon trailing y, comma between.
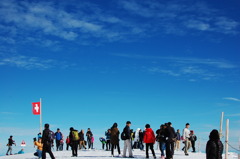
x: 167, y: 138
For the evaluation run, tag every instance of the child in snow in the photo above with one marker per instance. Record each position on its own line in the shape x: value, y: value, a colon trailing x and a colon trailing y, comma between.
x: 103, y: 141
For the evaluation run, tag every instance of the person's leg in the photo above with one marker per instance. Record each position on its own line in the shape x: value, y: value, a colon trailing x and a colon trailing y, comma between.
x: 172, y: 149
x: 112, y: 149
x: 147, y: 147
x: 44, y: 152
x: 125, y: 148
x: 89, y: 143
x: 168, y: 151
x: 129, y: 145
x: 153, y: 152
x: 186, y: 146
x: 118, y: 147
x: 8, y: 150
x: 76, y: 148
x: 193, y: 146
x: 49, y: 150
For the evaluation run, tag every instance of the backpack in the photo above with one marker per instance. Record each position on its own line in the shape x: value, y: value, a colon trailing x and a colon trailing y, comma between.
x: 75, y: 135
x: 51, y: 135
x: 123, y: 136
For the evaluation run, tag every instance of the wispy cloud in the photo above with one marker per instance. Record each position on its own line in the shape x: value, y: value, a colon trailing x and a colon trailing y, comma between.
x: 233, y: 115
x: 55, y: 20
x: 218, y: 63
x: 232, y: 99
x: 193, y: 68
x: 29, y: 63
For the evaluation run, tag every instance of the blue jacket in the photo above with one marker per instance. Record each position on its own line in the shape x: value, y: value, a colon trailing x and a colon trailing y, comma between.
x: 58, y: 135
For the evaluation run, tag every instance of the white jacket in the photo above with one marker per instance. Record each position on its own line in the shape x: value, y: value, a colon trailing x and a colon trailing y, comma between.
x: 186, y: 133
x: 136, y: 139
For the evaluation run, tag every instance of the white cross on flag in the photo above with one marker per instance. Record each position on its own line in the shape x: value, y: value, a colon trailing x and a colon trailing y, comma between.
x: 36, y: 108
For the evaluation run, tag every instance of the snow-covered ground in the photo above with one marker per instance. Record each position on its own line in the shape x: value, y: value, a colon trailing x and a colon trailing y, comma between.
x: 100, y: 154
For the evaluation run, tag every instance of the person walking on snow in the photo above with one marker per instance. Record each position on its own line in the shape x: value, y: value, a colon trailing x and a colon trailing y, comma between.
x: 81, y: 140
x: 47, y: 142
x: 186, y: 136
x: 10, y: 143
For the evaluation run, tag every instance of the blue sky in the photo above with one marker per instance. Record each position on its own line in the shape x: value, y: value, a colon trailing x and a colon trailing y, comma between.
x: 96, y: 62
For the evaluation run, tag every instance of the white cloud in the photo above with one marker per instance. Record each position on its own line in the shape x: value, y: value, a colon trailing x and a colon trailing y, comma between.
x: 29, y: 63
x: 232, y: 99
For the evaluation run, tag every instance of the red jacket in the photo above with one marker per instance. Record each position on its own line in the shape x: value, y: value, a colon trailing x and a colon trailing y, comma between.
x: 149, y: 136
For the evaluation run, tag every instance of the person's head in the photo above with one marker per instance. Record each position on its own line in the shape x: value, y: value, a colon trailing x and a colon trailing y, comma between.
x: 214, y: 135
x: 82, y: 131
x: 58, y: 130
x: 169, y: 124
x: 162, y: 126
x: 191, y: 132
x: 187, y: 125
x: 128, y: 123
x: 11, y: 136
x: 147, y: 126
x: 115, y: 125
x: 178, y: 130
x: 40, y: 139
x: 89, y: 129
x: 46, y: 126
x: 165, y: 125
x: 71, y: 129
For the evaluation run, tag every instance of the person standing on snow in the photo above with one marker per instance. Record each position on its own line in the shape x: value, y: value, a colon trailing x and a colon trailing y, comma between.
x: 10, y: 143
x: 193, y: 139
x: 161, y: 139
x: 127, y: 141
x: 114, y: 139
x: 108, y: 134
x: 89, y: 138
x: 136, y: 139
x: 170, y: 139
x: 67, y: 142
x: 178, y: 139
x: 149, y: 139
x: 59, y: 137
x: 141, y: 140
x: 214, y: 148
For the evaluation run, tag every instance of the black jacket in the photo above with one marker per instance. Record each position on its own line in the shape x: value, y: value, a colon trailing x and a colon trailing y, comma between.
x: 161, y: 135
x: 45, y: 137
x: 214, y: 149
x: 10, y: 142
x: 81, y: 136
x: 127, y: 132
x: 170, y: 133
x: 89, y: 134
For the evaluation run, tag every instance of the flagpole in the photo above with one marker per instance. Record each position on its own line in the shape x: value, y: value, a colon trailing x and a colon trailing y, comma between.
x: 40, y: 115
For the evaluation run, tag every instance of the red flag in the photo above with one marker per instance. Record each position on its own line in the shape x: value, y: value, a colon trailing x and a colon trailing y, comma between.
x: 36, y: 108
